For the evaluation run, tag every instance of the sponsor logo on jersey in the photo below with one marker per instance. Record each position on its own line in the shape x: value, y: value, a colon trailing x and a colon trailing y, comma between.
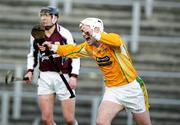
x: 103, y: 61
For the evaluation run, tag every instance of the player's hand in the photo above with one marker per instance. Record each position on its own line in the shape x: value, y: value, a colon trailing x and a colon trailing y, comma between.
x: 73, y: 82
x: 48, y: 44
x: 29, y: 76
x: 41, y: 47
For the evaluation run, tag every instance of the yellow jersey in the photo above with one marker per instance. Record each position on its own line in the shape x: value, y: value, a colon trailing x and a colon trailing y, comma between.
x: 110, y: 55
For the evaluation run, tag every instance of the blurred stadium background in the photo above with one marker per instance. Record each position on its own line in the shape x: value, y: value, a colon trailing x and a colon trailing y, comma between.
x: 151, y: 29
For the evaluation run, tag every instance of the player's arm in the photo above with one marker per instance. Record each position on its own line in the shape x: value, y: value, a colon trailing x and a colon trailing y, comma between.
x: 37, y: 34
x: 30, y: 56
x: 30, y: 61
x: 71, y: 51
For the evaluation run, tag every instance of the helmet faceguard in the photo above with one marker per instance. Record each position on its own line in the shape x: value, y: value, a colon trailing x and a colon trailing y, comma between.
x: 93, y: 23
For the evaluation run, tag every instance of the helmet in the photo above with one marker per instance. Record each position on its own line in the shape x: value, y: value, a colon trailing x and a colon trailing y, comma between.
x: 51, y: 10
x: 93, y: 22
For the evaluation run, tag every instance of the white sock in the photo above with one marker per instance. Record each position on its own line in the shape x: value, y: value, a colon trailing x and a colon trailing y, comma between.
x: 54, y: 123
x: 75, y: 122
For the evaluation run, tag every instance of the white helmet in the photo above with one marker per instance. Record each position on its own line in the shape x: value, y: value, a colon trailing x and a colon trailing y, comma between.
x: 93, y: 22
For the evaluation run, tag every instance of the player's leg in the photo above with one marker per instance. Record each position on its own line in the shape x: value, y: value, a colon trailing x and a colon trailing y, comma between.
x: 107, y: 111
x: 142, y: 118
x: 46, y: 97
x: 109, y: 106
x: 68, y: 111
x: 67, y: 103
x: 46, y: 105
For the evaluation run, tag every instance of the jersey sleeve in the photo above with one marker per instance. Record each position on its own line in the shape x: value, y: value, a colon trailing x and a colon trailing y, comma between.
x: 30, y: 57
x: 71, y: 51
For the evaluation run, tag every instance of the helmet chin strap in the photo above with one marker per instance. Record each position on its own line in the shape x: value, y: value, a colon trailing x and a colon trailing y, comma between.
x: 54, y: 19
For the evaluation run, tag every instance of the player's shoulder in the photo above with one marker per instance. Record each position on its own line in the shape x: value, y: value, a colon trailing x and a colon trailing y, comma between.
x: 61, y: 28
x: 65, y: 33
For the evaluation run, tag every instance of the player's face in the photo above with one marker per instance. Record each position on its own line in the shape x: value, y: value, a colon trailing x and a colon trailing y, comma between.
x: 46, y: 19
x: 87, y: 33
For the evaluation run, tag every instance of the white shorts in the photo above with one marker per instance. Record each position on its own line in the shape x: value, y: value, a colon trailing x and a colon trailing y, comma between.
x: 51, y: 82
x: 133, y: 96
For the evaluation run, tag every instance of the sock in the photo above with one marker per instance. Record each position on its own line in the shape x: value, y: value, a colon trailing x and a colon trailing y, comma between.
x: 75, y: 122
